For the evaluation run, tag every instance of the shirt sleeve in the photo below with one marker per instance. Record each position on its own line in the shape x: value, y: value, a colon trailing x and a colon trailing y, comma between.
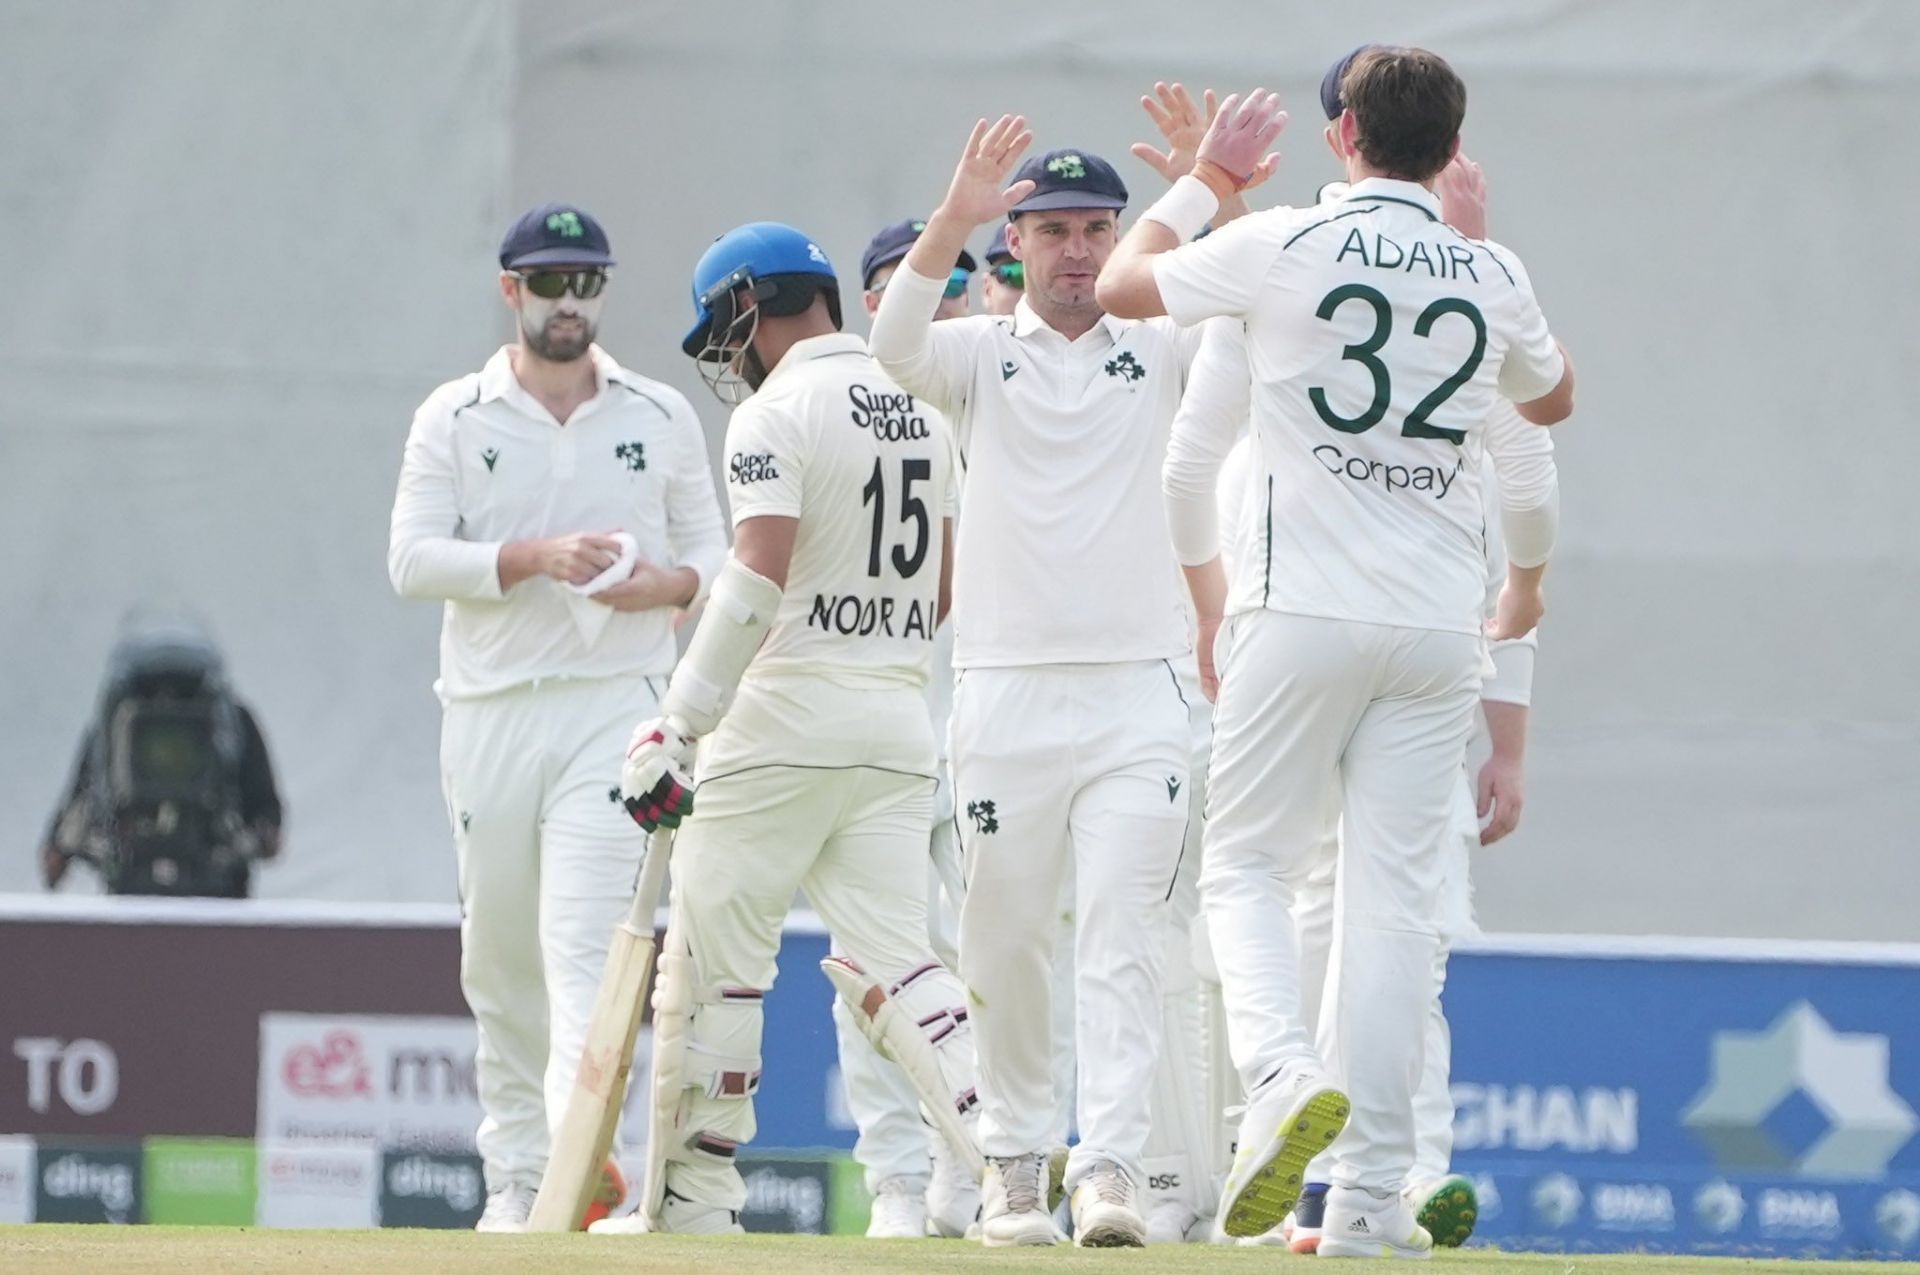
x: 427, y: 557
x: 695, y: 528
x: 765, y: 474
x: 934, y: 360
x: 1218, y: 275
x: 1532, y: 365
x: 1212, y: 416
x: 1512, y: 680
x: 1529, y: 483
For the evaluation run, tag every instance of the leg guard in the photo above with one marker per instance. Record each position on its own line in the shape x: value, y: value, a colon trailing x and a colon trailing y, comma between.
x: 706, y: 1071
x: 921, y: 1024
x: 1178, y: 1182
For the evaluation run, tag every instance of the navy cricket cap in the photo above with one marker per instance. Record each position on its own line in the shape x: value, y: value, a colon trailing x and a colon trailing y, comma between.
x: 1336, y: 75
x: 1069, y: 179
x: 894, y: 242
x: 555, y: 234
x: 997, y: 249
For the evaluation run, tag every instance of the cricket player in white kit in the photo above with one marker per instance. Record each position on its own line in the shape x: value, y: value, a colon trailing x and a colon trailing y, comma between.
x: 1069, y: 740
x: 1378, y: 340
x: 918, y: 1187
x: 804, y: 687
x: 551, y: 470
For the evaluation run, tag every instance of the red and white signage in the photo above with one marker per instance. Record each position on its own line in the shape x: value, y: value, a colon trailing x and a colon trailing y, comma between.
x: 402, y: 1082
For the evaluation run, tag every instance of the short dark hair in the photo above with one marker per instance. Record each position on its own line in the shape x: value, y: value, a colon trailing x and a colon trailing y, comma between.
x: 1407, y: 105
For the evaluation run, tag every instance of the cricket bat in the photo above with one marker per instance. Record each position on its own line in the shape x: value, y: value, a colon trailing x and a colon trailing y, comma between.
x: 585, y: 1135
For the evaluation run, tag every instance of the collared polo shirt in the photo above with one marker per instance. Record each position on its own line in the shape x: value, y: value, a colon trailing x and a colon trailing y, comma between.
x: 1062, y: 552
x: 487, y: 464
x: 1378, y: 340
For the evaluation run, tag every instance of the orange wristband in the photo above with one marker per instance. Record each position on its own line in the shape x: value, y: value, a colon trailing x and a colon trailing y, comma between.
x: 1218, y: 180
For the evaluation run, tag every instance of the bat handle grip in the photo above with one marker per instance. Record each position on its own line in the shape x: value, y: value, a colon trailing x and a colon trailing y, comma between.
x: 653, y: 877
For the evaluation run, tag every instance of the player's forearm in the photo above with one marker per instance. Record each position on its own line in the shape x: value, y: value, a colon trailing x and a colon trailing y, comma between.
x: 1506, y: 729
x: 902, y: 337
x: 1556, y: 404
x: 1126, y: 287
x: 446, y: 569
x: 1531, y: 531
x: 518, y: 562
x: 1207, y: 585
x: 939, y: 246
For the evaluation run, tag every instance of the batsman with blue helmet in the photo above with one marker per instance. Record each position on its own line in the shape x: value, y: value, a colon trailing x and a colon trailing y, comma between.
x: 794, y: 739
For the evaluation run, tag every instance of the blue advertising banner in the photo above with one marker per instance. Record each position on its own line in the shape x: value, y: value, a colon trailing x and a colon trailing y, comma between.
x: 1611, y: 1094
x: 1689, y: 1103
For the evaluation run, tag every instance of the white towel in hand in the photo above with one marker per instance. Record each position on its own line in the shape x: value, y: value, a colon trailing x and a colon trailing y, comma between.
x: 591, y: 617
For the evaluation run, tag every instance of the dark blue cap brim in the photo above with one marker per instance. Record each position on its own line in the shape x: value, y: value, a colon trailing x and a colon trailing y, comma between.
x: 1052, y: 201
x: 561, y: 257
x: 966, y: 263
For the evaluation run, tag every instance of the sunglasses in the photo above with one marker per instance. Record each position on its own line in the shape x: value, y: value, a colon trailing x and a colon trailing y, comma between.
x: 1011, y: 273
x: 551, y: 285
x: 956, y: 284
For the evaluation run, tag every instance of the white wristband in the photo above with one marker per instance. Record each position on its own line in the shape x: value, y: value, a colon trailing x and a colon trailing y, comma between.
x: 1186, y: 209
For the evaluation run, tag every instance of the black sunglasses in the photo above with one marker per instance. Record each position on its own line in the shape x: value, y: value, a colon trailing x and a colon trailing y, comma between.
x: 1011, y: 273
x: 551, y: 285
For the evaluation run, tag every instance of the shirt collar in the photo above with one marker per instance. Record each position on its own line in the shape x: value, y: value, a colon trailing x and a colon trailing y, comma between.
x: 815, y: 347
x: 1395, y: 191
x: 498, y: 381
x: 1026, y: 322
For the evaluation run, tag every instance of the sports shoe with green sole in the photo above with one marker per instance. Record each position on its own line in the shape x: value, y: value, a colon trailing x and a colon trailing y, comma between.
x: 1269, y: 1171
x: 1448, y: 1209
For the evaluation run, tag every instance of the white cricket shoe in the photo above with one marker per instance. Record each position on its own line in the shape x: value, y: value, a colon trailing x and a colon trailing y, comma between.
x: 1013, y: 1203
x: 953, y: 1197
x: 678, y: 1216
x: 507, y: 1210
x: 1292, y: 1119
x: 899, y: 1211
x: 1361, y: 1224
x: 1170, y: 1222
x: 1104, y: 1215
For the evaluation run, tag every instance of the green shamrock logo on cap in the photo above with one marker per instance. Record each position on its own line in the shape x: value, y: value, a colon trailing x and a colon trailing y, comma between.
x: 1070, y: 167
x: 566, y: 223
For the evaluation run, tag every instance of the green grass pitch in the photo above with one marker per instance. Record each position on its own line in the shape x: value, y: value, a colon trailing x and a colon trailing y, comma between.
x: 104, y: 1250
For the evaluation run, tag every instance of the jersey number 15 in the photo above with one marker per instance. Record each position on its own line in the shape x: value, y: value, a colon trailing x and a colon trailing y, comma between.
x: 912, y: 510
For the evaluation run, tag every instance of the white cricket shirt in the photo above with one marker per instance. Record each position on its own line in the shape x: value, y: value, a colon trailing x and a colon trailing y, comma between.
x: 1062, y: 554
x: 1378, y: 340
x: 1523, y: 451
x: 867, y: 468
x: 486, y: 464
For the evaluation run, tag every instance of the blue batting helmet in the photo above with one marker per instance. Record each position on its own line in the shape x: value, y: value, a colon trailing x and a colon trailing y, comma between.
x: 782, y: 267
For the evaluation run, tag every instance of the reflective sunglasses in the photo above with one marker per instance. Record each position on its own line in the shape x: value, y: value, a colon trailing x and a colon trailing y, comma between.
x: 1011, y: 273
x: 551, y: 285
x: 956, y: 284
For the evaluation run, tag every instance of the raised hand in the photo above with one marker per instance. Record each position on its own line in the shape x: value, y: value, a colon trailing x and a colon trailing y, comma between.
x: 979, y: 193
x: 1462, y: 189
x: 1183, y: 123
x: 1236, y: 141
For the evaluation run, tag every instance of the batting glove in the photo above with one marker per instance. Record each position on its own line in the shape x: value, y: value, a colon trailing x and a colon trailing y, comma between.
x: 656, y: 784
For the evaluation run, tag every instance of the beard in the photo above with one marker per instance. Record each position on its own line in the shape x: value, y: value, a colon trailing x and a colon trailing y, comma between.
x: 753, y: 369
x: 559, y: 347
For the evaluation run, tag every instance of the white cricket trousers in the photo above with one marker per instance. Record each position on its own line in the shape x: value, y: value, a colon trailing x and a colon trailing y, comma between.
x: 1068, y: 767
x: 1381, y: 715
x: 894, y: 1140
x: 547, y: 863
x: 1313, y: 915
x: 806, y: 786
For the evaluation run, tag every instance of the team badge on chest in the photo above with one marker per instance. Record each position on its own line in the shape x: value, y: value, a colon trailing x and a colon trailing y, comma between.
x: 1126, y: 367
x: 635, y: 454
